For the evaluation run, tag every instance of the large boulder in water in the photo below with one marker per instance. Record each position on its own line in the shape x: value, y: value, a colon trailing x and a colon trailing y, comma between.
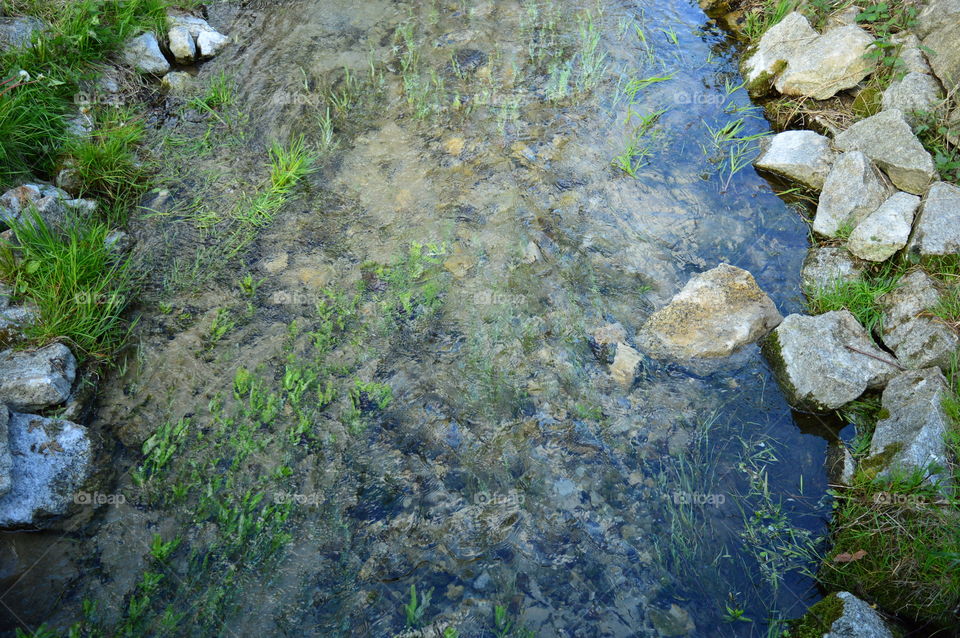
x: 715, y: 314
x: 826, y: 361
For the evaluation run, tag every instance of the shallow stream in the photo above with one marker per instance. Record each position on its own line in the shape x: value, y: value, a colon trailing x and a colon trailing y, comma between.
x: 448, y: 427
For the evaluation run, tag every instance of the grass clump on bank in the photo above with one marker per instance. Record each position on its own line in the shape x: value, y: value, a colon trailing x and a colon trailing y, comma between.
x: 896, y: 544
x: 860, y: 296
x: 79, y: 285
x: 39, y: 82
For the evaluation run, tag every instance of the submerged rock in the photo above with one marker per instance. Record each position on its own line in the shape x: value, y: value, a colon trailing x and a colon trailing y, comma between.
x: 913, y: 92
x: 937, y: 230
x: 143, y: 54
x: 625, y: 364
x: 824, y: 266
x: 715, y: 314
x: 886, y: 230
x: 820, y: 361
x: 918, y: 339
x: 853, y: 189
x: 801, y: 156
x: 887, y: 139
x: 52, y: 459
x: 780, y: 43
x: 831, y: 63
x: 912, y: 436
x: 38, y: 379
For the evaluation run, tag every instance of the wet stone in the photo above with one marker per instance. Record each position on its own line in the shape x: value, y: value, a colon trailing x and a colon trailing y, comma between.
x: 52, y: 460
x: 469, y: 60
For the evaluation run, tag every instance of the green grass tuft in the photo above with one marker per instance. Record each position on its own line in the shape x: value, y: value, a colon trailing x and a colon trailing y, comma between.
x: 79, y: 285
x: 859, y: 296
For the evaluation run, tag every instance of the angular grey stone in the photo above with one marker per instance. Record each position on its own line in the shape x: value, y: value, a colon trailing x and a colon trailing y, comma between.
x: 6, y: 460
x: 910, y: 54
x: 918, y: 339
x: 780, y: 43
x: 842, y: 18
x: 858, y: 620
x: 143, y: 54
x: 853, y: 189
x: 33, y: 380
x: 211, y: 43
x: 937, y: 14
x: 913, y: 92
x: 802, y: 156
x: 14, y: 320
x: 886, y: 230
x: 820, y: 361
x: 824, y: 266
x: 18, y: 32
x: 182, y: 46
x: 193, y: 24
x: 937, y: 231
x: 945, y: 60
x: 52, y: 460
x: 913, y: 435
x: 887, y: 139
x: 833, y: 62
x: 715, y: 314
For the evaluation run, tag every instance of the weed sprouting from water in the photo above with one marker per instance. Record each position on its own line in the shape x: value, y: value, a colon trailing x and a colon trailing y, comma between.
x: 639, y: 143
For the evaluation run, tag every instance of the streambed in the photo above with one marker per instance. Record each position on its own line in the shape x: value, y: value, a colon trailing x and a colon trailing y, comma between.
x: 402, y: 392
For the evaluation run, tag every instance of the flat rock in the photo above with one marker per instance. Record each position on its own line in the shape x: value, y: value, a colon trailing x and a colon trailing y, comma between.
x: 946, y: 61
x: 143, y: 54
x: 714, y: 315
x: 918, y: 339
x: 182, y: 45
x: 886, y: 230
x: 815, y: 365
x: 18, y: 32
x: 912, y: 436
x: 913, y: 92
x: 853, y: 189
x: 802, y: 156
x: 6, y: 460
x: 52, y: 459
x: 824, y: 266
x: 887, y: 139
x: 833, y: 62
x: 937, y: 231
x: 37, y: 379
x: 781, y: 42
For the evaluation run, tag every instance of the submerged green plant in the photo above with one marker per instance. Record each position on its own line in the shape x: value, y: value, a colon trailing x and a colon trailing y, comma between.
x: 417, y: 607
x: 639, y: 143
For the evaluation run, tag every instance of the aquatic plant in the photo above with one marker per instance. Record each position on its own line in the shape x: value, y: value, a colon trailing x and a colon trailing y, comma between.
x: 639, y: 143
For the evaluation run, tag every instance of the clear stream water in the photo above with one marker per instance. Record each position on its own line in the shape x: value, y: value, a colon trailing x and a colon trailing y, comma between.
x: 508, y: 469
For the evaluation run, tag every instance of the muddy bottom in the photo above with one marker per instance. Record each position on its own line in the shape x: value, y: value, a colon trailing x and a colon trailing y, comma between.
x: 373, y: 410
